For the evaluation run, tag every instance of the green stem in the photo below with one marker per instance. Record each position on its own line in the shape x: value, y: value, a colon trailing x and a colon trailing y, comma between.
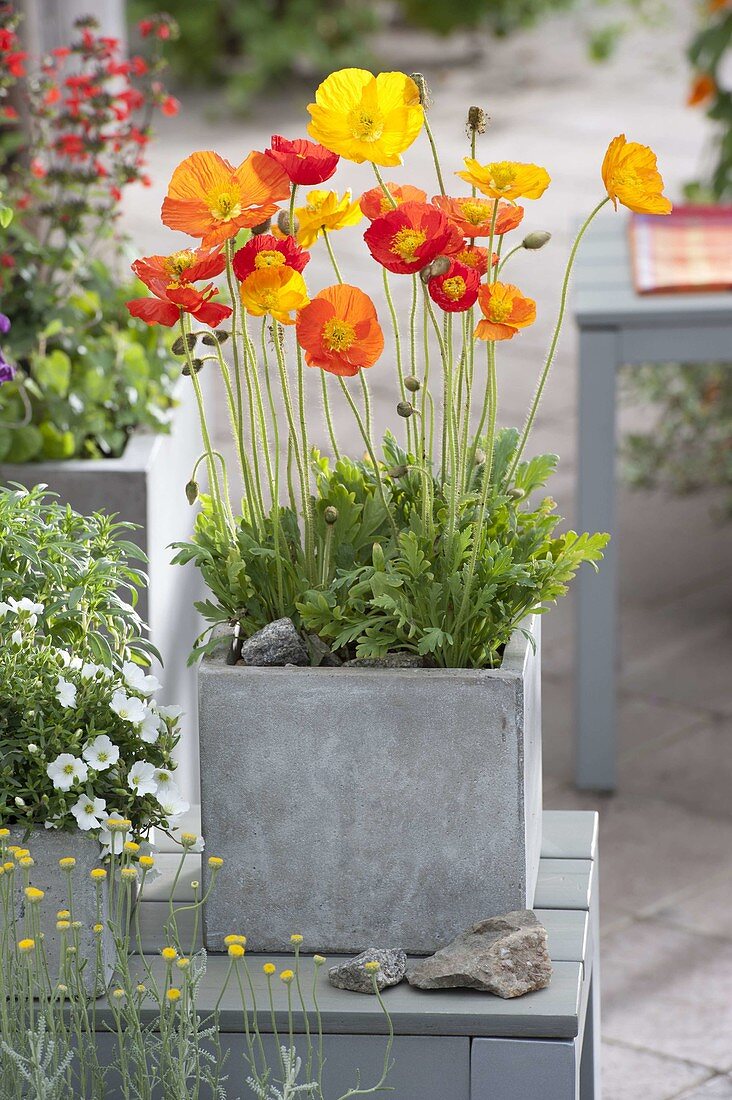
x: 372, y: 455
x: 331, y: 253
x: 235, y: 306
x: 392, y: 201
x: 300, y: 459
x: 276, y: 486
x: 328, y: 416
x: 397, y: 346
x: 554, y: 341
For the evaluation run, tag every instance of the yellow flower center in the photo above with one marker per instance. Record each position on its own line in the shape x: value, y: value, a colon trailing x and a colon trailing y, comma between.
x: 499, y: 310
x: 338, y: 335
x: 178, y: 263
x: 269, y: 257
x: 268, y: 299
x: 68, y: 769
x: 225, y: 207
x: 503, y: 174
x: 454, y: 288
x: 473, y: 211
x: 365, y: 125
x: 405, y: 243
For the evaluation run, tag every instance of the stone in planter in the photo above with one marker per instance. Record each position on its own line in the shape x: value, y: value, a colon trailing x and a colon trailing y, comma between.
x: 145, y: 486
x: 352, y: 974
x: 366, y: 805
x: 47, y: 847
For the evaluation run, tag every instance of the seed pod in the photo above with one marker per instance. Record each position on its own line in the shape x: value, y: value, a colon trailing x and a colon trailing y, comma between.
x: 197, y: 364
x: 424, y: 92
x: 412, y: 384
x: 178, y: 347
x: 440, y: 266
x: 192, y: 491
x: 405, y: 409
x: 330, y: 515
x: 477, y: 120
x: 537, y: 239
x: 263, y: 227
x: 283, y: 224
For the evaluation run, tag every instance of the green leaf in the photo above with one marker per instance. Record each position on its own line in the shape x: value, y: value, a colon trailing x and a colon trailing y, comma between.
x: 53, y: 371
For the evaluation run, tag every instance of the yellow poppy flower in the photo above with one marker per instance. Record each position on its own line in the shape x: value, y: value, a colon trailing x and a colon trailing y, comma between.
x: 506, y: 179
x: 277, y: 291
x: 324, y: 210
x: 365, y: 117
x: 631, y: 177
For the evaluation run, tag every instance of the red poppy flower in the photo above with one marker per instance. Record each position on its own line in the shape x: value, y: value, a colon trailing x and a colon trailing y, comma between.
x: 339, y: 331
x: 266, y: 250
x: 303, y: 161
x: 476, y: 257
x: 457, y: 289
x: 407, y: 239
x: 374, y: 203
x: 189, y: 265
x: 169, y: 299
x: 473, y: 216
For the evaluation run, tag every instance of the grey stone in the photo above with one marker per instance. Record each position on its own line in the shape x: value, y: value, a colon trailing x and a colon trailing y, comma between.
x: 276, y: 644
x: 354, y: 976
x: 390, y: 806
x: 505, y: 955
x: 322, y: 655
x: 391, y: 660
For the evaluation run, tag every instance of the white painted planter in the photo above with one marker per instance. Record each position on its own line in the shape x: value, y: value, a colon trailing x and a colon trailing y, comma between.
x: 370, y: 807
x: 47, y: 847
x: 146, y: 486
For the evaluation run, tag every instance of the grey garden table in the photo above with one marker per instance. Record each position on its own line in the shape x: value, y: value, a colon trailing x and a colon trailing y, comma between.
x: 618, y: 327
x: 451, y: 1044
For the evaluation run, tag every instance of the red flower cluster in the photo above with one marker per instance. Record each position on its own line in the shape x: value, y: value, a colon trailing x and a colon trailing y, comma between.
x: 171, y: 278
x: 264, y: 250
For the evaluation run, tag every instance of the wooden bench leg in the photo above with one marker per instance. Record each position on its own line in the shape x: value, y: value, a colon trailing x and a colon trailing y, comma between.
x: 524, y: 1069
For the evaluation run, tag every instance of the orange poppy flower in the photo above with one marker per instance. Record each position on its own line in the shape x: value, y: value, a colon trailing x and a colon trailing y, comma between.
x: 189, y: 265
x: 374, y: 203
x: 277, y: 291
x: 505, y: 311
x: 473, y: 216
x: 456, y: 290
x: 339, y: 331
x: 407, y: 239
x: 209, y: 198
x: 324, y: 210
x: 703, y: 88
x: 476, y: 258
x: 164, y: 308
x: 718, y: 5
x: 506, y: 179
x: 631, y: 177
x: 266, y: 250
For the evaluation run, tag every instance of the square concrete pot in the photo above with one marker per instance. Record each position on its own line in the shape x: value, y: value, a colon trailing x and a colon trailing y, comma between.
x: 47, y: 847
x: 146, y: 486
x: 370, y: 807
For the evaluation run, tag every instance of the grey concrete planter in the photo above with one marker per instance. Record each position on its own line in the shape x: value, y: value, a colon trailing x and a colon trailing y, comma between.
x: 146, y: 486
x: 47, y: 847
x: 365, y: 807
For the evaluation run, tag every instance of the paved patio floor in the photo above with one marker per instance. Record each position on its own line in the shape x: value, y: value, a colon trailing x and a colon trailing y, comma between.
x: 666, y: 836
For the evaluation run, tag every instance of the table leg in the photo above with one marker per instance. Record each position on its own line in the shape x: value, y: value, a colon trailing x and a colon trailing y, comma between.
x: 596, y: 749
x: 522, y: 1069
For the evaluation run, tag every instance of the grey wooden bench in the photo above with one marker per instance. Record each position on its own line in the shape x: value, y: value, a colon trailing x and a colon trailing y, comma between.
x: 618, y: 327
x: 455, y: 1044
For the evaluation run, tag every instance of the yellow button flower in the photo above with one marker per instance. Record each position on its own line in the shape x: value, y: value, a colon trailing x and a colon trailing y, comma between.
x: 269, y: 969
x: 506, y: 179
x: 631, y: 177
x: 234, y: 937
x: 146, y: 862
x: 365, y: 117
x: 325, y: 210
x: 287, y: 976
x: 173, y: 995
x: 26, y: 945
x: 98, y: 873
x: 277, y: 291
x: 67, y: 863
x: 33, y: 894
x: 169, y: 954
x: 236, y: 951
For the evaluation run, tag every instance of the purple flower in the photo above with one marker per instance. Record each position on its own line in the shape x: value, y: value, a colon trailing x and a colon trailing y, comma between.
x: 7, y: 370
x: 4, y: 324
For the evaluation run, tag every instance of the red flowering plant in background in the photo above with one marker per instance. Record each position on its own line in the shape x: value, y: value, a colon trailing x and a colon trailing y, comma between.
x: 74, y: 129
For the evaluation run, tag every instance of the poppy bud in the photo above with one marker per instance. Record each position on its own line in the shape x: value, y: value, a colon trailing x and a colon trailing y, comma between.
x: 412, y: 384
x: 178, y: 347
x: 424, y: 92
x: 263, y: 227
x: 222, y: 335
x: 283, y: 224
x: 479, y: 457
x: 477, y: 120
x: 192, y: 491
x: 440, y: 266
x: 397, y: 471
x: 405, y: 409
x: 516, y: 494
x: 197, y: 364
x: 537, y: 239
x: 330, y: 515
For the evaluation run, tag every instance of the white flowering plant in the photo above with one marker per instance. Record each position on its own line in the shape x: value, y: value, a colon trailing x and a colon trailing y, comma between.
x: 80, y: 741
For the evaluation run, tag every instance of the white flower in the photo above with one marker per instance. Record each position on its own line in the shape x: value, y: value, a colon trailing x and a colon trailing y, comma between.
x: 16, y: 637
x: 101, y: 753
x: 172, y: 804
x: 170, y: 714
x: 165, y: 781
x: 111, y: 842
x: 66, y: 770
x: 128, y: 707
x: 150, y: 729
x: 141, y: 778
x: 89, y: 812
x: 4, y: 608
x: 33, y: 610
x: 65, y: 692
x: 136, y: 679
x: 88, y: 670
